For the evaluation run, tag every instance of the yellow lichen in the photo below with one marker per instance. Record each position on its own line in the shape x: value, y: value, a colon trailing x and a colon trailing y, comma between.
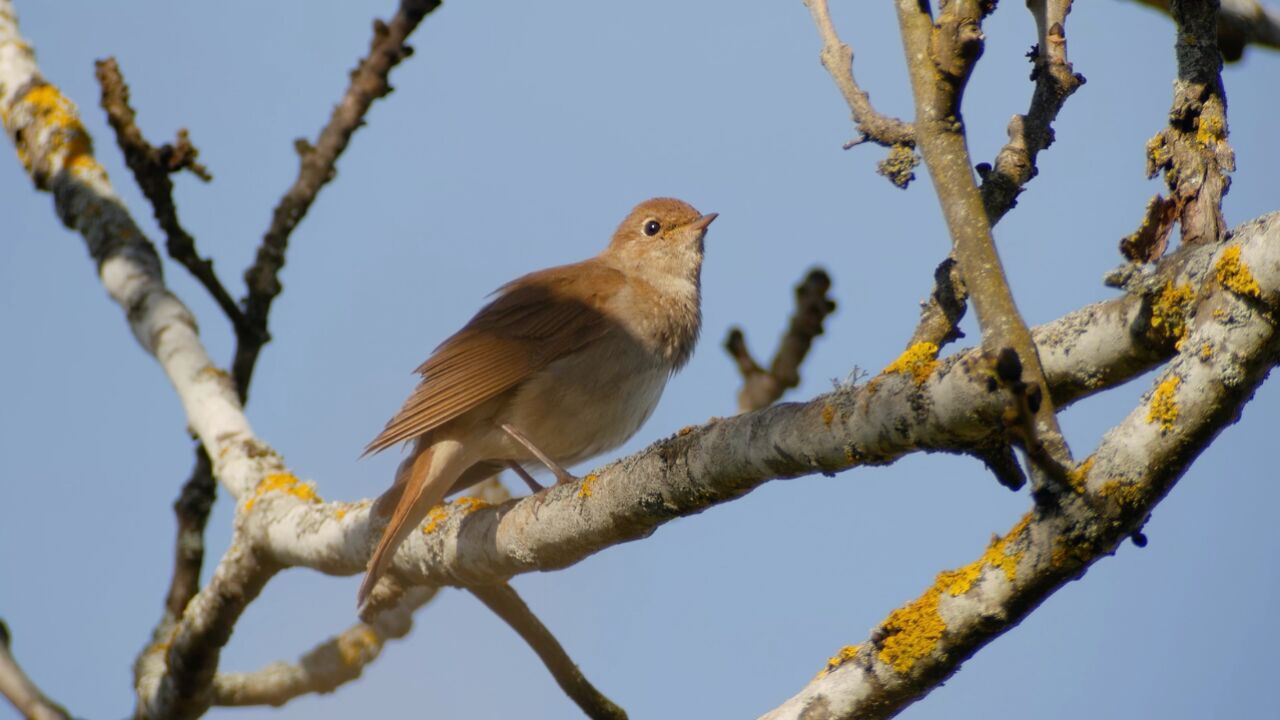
x: 68, y: 139
x: 285, y: 482
x: 1169, y: 311
x: 340, y: 513
x: 1234, y: 274
x: 913, y: 631
x: 587, y: 482
x: 1126, y: 494
x: 918, y: 361
x: 355, y: 645
x: 1158, y: 152
x: 1206, y: 352
x: 1076, y: 475
x: 1164, y: 406
x: 828, y: 414
x: 1211, y: 128
x: 847, y: 653
x: 1065, y: 554
x: 440, y: 513
x: 686, y: 430
x: 468, y: 505
x: 435, y: 516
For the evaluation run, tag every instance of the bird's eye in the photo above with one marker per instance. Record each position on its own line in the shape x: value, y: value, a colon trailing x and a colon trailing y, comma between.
x: 651, y: 228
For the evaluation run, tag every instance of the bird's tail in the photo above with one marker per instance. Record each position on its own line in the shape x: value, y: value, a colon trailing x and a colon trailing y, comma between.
x: 421, y: 483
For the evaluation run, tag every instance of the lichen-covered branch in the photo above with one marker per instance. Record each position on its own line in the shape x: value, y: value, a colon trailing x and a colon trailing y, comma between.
x: 326, y: 667
x: 506, y: 604
x: 1192, y: 151
x: 1241, y: 23
x: 760, y: 387
x: 1055, y: 81
x: 318, y: 165
x: 918, y: 403
x: 899, y: 136
x: 19, y: 690
x: 1227, y: 346
x: 940, y: 54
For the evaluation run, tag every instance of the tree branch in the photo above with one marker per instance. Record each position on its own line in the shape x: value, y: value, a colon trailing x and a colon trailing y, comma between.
x: 890, y: 132
x: 939, y: 61
x: 1192, y: 151
x: 326, y: 667
x: 506, y: 604
x: 18, y: 688
x: 1055, y: 81
x: 760, y: 387
x: 318, y: 166
x: 151, y: 167
x: 1229, y: 346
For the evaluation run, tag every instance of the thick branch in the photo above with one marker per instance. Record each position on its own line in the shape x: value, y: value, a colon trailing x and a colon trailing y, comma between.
x: 318, y: 166
x: 1228, y: 346
x: 760, y: 387
x: 506, y: 604
x: 939, y: 62
x: 18, y: 688
x: 329, y: 665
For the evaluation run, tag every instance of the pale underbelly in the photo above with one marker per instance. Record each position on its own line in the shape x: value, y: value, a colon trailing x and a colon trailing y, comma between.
x: 587, y: 404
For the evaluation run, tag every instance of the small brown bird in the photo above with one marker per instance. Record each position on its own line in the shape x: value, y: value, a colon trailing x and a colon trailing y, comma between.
x: 564, y: 364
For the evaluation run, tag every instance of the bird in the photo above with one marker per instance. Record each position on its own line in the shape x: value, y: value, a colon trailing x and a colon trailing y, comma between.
x: 561, y: 365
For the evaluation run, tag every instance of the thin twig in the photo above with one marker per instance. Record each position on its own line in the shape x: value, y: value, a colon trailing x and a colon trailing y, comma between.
x: 941, y: 314
x: 192, y: 508
x: 760, y: 387
x: 326, y: 667
x: 506, y: 604
x: 151, y: 167
x: 318, y: 166
x: 1055, y: 81
x: 18, y: 688
x: 941, y: 53
x: 837, y: 58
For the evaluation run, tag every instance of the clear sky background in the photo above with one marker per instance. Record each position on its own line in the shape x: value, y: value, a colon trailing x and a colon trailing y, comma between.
x: 518, y: 136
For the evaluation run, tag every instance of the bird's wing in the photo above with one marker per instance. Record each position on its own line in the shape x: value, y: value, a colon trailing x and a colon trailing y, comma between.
x: 535, y: 320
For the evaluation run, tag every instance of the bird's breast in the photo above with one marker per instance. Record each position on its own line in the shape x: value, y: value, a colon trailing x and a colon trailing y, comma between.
x: 593, y: 400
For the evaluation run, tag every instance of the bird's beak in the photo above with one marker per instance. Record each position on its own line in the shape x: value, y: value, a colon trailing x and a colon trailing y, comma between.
x: 701, y: 223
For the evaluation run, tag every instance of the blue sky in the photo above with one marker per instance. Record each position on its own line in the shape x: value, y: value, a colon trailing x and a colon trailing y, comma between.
x: 518, y: 136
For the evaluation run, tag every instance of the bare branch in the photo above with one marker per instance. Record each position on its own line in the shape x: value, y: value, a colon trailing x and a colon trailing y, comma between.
x: 151, y: 167
x: 18, y: 688
x: 1240, y: 23
x: 941, y: 314
x: 939, y: 60
x: 318, y: 166
x: 191, y: 509
x: 506, y: 604
x: 326, y: 667
x: 760, y: 387
x: 1055, y: 81
x: 1226, y: 351
x: 837, y: 58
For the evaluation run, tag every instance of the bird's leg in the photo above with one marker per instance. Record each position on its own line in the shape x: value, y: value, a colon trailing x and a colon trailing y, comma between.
x: 534, y: 485
x: 562, y: 475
